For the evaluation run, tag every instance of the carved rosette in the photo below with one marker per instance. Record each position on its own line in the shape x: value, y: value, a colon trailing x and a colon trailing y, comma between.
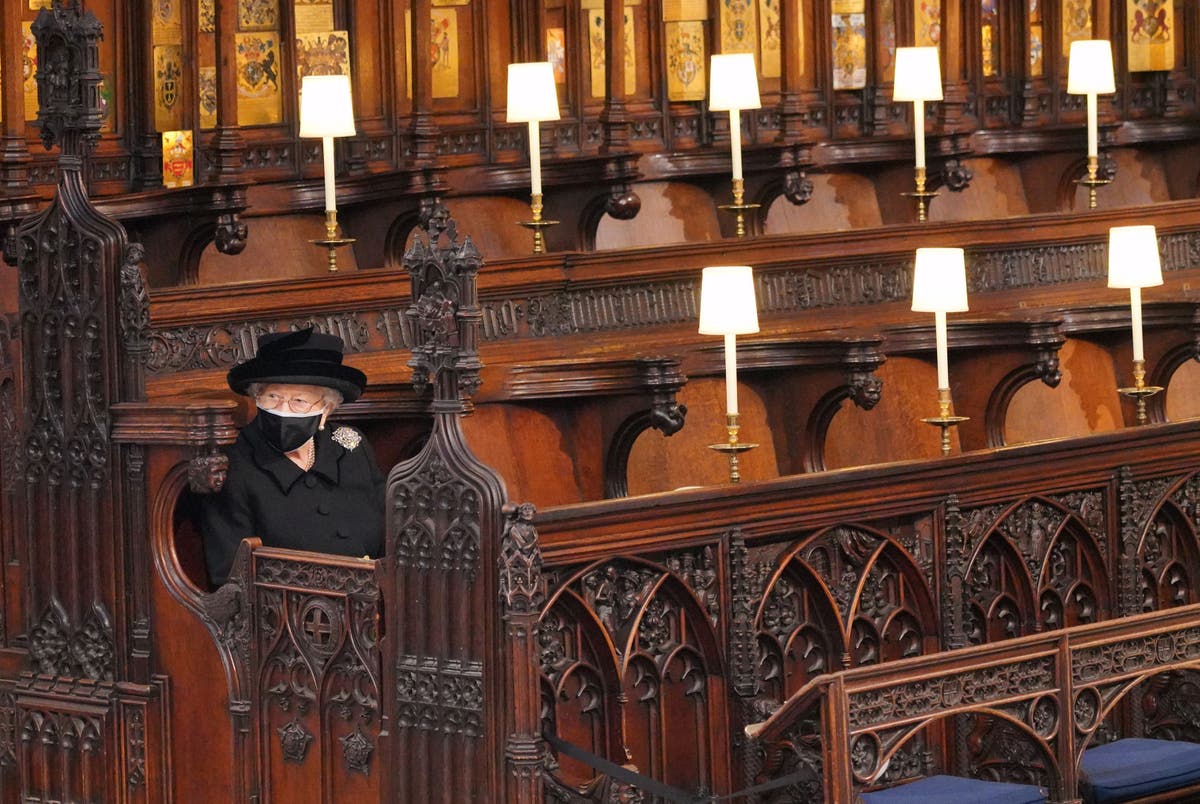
x: 294, y: 741
x: 356, y: 751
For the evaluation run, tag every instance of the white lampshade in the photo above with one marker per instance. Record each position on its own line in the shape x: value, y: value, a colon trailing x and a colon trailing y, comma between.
x: 733, y: 82
x: 326, y: 106
x: 918, y: 74
x: 727, y: 302
x: 531, y: 92
x: 1133, y: 257
x: 940, y: 281
x: 1090, y: 69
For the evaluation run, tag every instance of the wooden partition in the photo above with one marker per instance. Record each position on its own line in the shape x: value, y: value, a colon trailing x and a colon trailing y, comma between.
x: 776, y: 584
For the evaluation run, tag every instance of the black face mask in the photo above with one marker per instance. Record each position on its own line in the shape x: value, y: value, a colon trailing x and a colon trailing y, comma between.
x: 287, y: 433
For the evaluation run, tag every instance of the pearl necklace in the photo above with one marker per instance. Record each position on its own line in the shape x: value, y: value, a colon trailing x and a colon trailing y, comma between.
x: 308, y: 455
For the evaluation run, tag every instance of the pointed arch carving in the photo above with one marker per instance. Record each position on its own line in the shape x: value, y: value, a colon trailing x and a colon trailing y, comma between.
x: 627, y: 648
x: 999, y: 593
x: 1166, y: 551
x: 1062, y: 575
x: 844, y: 596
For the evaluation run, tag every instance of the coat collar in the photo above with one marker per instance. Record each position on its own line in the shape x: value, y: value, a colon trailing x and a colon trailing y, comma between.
x: 281, y: 468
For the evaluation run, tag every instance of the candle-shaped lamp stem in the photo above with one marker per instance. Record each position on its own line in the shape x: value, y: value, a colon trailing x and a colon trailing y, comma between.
x: 942, y: 347
x: 735, y: 142
x: 1135, y: 315
x: 330, y: 175
x: 1093, y: 127
x: 919, y: 131
x: 535, y: 158
x: 731, y: 394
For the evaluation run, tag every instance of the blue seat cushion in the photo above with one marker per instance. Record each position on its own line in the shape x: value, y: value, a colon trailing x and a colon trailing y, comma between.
x: 957, y: 790
x: 1134, y: 767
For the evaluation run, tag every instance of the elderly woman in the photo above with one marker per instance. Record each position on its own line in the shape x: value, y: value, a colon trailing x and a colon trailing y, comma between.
x: 292, y: 481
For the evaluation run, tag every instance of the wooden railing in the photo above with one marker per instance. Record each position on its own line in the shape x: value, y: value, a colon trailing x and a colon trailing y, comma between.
x: 673, y: 620
x: 1050, y: 692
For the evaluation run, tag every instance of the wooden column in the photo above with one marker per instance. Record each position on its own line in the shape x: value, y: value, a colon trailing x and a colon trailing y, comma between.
x: 793, y: 81
x: 147, y: 139
x: 228, y: 154
x: 14, y: 153
x: 422, y: 129
x: 521, y: 596
x: 613, y: 119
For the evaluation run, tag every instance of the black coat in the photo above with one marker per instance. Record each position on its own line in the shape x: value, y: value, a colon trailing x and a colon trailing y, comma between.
x: 334, y: 507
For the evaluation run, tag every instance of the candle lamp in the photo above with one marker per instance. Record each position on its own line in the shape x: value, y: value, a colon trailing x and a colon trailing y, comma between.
x: 733, y: 86
x: 918, y: 79
x: 327, y: 111
x: 1090, y: 72
x: 728, y: 307
x: 1133, y: 263
x: 532, y: 98
x: 940, y: 287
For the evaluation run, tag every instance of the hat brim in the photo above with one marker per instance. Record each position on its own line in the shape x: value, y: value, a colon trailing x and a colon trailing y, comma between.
x: 346, y: 380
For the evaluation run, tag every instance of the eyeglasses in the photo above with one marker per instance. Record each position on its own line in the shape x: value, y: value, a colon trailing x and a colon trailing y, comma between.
x: 296, y: 404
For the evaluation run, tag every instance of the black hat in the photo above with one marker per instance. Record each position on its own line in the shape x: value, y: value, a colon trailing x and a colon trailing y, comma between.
x: 304, y: 357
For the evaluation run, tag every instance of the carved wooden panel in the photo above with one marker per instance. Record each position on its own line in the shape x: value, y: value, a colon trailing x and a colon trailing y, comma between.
x: 632, y: 667
x: 1034, y: 565
x: 846, y: 596
x: 317, y: 692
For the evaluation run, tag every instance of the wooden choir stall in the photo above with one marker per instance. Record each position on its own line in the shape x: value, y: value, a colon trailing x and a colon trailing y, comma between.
x: 576, y: 602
